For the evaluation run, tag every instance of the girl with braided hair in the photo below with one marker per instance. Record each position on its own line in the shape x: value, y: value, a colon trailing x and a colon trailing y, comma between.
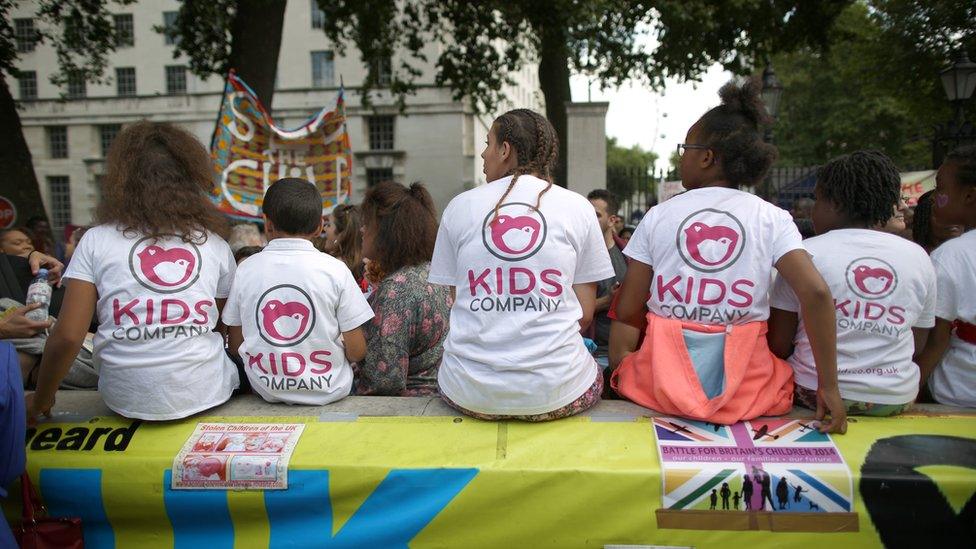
x: 928, y: 231
x: 883, y: 286
x: 523, y: 257
x: 706, y: 257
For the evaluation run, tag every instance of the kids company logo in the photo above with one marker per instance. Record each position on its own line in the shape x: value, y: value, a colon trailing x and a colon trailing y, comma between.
x: 871, y: 278
x: 164, y: 270
x: 284, y: 315
x: 517, y: 233
x: 710, y: 240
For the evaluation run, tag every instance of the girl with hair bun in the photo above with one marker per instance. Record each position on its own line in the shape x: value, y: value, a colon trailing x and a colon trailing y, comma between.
x: 707, y: 257
x: 524, y: 258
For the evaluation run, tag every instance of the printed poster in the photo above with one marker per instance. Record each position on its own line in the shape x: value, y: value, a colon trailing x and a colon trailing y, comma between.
x: 774, y: 465
x: 249, y: 456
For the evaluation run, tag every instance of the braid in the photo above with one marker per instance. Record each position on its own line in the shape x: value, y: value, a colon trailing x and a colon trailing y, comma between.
x: 536, y: 147
x: 864, y: 185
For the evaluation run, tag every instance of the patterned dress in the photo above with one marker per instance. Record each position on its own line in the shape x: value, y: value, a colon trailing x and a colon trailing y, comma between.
x: 405, y: 340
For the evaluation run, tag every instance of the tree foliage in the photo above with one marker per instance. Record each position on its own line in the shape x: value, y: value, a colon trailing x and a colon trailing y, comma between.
x: 483, y: 43
x: 629, y: 170
x: 877, y: 86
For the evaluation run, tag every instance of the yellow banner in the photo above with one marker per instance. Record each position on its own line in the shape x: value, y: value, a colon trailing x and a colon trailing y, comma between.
x: 453, y: 482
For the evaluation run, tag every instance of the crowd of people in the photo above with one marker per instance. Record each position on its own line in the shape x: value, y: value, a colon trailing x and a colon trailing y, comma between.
x: 523, y: 300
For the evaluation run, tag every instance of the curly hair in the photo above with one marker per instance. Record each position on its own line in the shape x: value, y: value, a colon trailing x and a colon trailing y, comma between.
x: 536, y: 147
x: 349, y: 238
x: 922, y: 222
x: 733, y: 131
x: 157, y: 180
x: 964, y: 158
x: 864, y: 185
x: 403, y: 223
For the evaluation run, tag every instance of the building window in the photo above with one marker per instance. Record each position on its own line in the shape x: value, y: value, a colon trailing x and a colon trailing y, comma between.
x: 318, y: 16
x: 57, y: 141
x: 169, y: 28
x: 77, y: 87
x: 59, y: 191
x: 380, y: 133
x: 125, y: 81
x: 323, y: 69
x: 106, y: 134
x: 25, y: 35
x: 378, y: 175
x: 384, y: 72
x: 124, y: 30
x: 28, y: 85
x: 175, y: 79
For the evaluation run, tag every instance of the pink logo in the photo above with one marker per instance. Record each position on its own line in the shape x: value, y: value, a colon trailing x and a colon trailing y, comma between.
x: 710, y: 245
x: 515, y: 235
x: 284, y: 321
x: 284, y: 315
x: 710, y: 240
x: 518, y: 232
x: 163, y: 269
x: 871, y: 278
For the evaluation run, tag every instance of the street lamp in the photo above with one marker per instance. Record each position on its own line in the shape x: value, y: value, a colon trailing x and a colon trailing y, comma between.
x: 959, y: 82
x: 772, y: 92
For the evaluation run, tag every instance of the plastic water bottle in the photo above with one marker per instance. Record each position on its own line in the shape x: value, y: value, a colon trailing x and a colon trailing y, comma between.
x: 39, y: 292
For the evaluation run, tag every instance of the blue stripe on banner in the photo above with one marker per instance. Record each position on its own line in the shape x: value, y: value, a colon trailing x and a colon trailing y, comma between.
x: 300, y: 516
x: 78, y: 493
x: 824, y: 489
x: 200, y: 518
x: 401, y: 506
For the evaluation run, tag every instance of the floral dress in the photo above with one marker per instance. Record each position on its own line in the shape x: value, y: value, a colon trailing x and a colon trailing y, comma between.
x: 405, y: 340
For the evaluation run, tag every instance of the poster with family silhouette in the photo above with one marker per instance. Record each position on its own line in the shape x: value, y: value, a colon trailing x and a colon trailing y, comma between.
x: 775, y: 465
x: 236, y: 455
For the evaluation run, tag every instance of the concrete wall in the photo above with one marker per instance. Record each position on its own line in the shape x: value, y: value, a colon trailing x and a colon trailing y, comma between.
x: 587, y: 146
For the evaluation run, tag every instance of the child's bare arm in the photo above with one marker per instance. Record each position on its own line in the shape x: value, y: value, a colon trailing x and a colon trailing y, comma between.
x: 633, y: 292
x: 782, y: 332
x: 586, y: 294
x: 63, y: 345
x: 623, y: 341
x: 935, y: 346
x: 817, y: 308
x: 355, y: 343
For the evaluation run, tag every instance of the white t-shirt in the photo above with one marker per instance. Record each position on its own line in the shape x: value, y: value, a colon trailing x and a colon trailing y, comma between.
x: 713, y: 250
x: 954, y: 379
x: 293, y: 302
x: 157, y: 353
x: 883, y: 286
x: 514, y: 346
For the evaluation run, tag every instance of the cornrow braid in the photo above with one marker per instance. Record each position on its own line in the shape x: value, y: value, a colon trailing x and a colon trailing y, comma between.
x: 864, y: 185
x: 536, y: 148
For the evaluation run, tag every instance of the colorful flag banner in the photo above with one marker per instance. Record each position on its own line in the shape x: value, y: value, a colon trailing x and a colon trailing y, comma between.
x: 774, y: 465
x: 250, y: 153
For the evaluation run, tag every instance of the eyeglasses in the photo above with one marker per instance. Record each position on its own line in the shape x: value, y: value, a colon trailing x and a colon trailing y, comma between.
x: 685, y: 146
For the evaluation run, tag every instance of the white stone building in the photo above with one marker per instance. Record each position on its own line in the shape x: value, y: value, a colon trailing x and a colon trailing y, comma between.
x: 436, y: 140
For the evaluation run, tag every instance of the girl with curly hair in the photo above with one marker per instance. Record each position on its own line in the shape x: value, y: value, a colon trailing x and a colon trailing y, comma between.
x: 343, y: 239
x: 157, y: 271
x: 405, y: 339
x: 707, y: 258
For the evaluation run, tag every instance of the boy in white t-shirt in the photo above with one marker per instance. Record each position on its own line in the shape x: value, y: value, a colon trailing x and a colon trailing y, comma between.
x: 706, y: 257
x: 949, y: 360
x: 883, y: 287
x: 523, y: 257
x: 295, y: 313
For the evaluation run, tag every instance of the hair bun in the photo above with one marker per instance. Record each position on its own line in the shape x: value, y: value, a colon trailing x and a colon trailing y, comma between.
x: 745, y: 98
